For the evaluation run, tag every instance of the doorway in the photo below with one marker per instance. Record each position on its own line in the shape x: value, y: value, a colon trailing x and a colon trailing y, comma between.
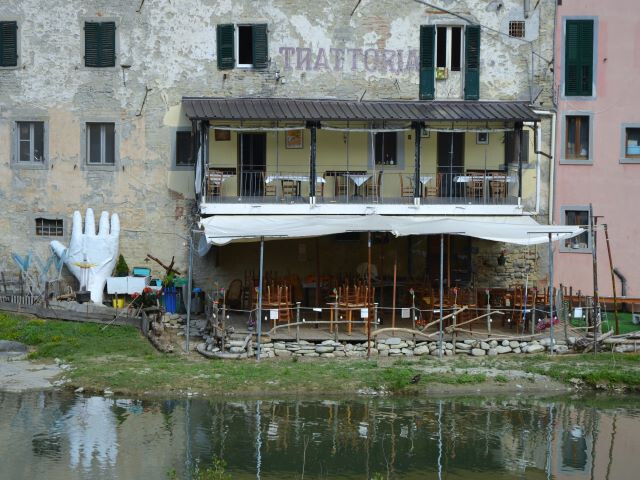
x: 451, y: 163
x: 252, y: 163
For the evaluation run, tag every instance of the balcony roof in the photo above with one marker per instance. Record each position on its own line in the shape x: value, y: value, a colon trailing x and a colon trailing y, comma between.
x: 307, y: 109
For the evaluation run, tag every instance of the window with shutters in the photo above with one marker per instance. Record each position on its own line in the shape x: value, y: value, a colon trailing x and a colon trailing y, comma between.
x: 242, y: 46
x: 100, y: 44
x: 183, y: 149
x: 578, y: 61
x: 8, y: 44
x: 100, y: 143
x: 472, y: 62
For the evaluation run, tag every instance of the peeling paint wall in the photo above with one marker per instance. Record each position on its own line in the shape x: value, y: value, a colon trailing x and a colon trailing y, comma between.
x: 170, y: 48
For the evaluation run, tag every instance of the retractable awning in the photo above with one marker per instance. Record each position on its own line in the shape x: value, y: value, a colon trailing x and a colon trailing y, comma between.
x: 519, y: 230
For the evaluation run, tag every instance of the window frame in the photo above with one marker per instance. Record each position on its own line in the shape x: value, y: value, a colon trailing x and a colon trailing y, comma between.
x: 48, y: 218
x: 564, y: 134
x: 449, y: 47
x: 84, y: 144
x: 15, y: 139
x: 236, y: 41
x: 594, y: 62
x: 174, y: 150
x: 520, y: 22
x: 400, y: 149
x: 563, y: 217
x: 482, y: 142
x: 624, y: 158
x: 116, y: 54
x: 18, y: 21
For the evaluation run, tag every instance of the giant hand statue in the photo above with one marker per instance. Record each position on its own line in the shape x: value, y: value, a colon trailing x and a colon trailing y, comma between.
x: 90, y: 257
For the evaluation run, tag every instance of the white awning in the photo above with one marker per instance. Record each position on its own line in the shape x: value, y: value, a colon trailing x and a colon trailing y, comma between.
x: 520, y: 230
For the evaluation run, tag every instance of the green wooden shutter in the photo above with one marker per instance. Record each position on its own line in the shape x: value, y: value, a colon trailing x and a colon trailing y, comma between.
x: 226, y: 56
x: 8, y: 44
x: 427, y: 61
x: 585, y: 42
x: 260, y: 46
x: 107, y: 51
x: 472, y: 63
x: 578, y: 64
x: 91, y: 44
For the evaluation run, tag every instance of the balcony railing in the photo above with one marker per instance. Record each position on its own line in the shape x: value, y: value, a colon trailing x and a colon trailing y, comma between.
x: 363, y: 187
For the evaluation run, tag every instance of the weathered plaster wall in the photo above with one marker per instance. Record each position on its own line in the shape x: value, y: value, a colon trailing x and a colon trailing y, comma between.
x: 170, y: 47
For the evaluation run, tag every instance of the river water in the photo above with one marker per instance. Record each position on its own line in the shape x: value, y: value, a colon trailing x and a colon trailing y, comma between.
x: 58, y: 435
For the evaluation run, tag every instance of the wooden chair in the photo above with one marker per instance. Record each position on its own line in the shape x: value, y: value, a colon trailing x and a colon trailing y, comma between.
x: 432, y: 189
x: 269, y: 189
x: 498, y: 188
x: 372, y: 186
x: 406, y: 190
x: 475, y: 187
x: 290, y: 188
x: 341, y: 186
x: 214, y: 183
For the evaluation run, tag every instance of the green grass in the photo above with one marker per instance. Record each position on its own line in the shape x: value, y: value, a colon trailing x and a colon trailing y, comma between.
x: 501, y: 379
x: 608, y: 323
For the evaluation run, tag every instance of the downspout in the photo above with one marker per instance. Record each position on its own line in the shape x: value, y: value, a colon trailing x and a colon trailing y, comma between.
x: 623, y: 281
x: 551, y: 157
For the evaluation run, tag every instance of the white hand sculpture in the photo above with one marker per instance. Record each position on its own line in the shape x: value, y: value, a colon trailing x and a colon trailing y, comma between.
x: 97, y: 252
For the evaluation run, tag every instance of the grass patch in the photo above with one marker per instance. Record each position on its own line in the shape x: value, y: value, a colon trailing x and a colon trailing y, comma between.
x: 457, y: 378
x: 501, y: 379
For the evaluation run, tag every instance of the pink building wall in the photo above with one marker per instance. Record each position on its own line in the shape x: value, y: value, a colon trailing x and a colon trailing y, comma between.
x: 611, y: 186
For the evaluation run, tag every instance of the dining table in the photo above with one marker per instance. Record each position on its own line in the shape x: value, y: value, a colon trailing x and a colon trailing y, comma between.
x: 358, y: 180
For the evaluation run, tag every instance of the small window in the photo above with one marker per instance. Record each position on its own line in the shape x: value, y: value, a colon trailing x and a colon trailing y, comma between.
x: 101, y: 143
x: 99, y: 44
x: 516, y: 29
x: 30, y: 142
x: 577, y: 138
x: 46, y: 227
x: 386, y: 148
x: 8, y: 44
x: 184, y: 144
x: 482, y: 138
x: 449, y: 48
x: 244, y: 46
x: 581, y: 219
x: 632, y: 143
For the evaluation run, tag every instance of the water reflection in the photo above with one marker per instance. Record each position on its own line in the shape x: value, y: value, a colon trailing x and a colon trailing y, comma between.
x: 61, y: 436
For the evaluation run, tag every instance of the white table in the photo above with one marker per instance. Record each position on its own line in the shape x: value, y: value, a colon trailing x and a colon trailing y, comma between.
x: 424, y: 179
x: 358, y: 179
x: 490, y: 178
x: 292, y: 177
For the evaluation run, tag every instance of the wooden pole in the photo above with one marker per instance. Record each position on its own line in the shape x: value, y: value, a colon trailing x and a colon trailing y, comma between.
x: 395, y: 277
x: 596, y: 299
x: 317, y: 305
x: 441, y: 293
x: 613, y: 281
x: 551, y: 339
x: 369, y: 296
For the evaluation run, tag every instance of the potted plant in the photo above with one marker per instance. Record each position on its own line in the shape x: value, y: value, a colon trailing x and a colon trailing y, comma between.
x: 122, y: 269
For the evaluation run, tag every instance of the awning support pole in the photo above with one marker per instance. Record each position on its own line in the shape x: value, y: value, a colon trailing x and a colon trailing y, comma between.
x: 518, y: 147
x: 417, y: 185
x: 613, y: 281
x: 312, y: 163
x: 259, y: 309
x: 441, y: 292
x: 551, y: 340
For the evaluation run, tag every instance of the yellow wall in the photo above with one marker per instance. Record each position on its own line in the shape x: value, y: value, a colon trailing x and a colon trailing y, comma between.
x: 333, y: 151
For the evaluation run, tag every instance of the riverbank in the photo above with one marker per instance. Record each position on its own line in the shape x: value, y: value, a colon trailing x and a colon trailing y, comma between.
x: 120, y: 360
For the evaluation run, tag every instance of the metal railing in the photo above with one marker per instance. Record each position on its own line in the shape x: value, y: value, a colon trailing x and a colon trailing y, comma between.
x: 363, y: 187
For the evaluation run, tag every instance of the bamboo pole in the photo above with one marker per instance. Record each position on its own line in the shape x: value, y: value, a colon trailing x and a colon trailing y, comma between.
x: 395, y: 278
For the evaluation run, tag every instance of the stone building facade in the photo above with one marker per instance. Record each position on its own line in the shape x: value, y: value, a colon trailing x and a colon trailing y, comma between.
x: 165, y: 51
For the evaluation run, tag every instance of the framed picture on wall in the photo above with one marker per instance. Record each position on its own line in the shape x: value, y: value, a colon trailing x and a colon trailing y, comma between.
x: 482, y: 138
x: 293, y: 138
x: 222, y: 135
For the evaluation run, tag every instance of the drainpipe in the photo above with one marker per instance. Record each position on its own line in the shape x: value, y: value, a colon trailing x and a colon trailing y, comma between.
x: 623, y: 281
x: 551, y: 157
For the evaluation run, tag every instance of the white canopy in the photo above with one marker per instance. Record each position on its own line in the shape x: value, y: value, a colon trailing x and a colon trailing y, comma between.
x: 520, y: 230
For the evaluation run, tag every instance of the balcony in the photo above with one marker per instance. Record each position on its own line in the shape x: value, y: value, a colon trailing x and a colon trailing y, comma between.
x: 258, y: 156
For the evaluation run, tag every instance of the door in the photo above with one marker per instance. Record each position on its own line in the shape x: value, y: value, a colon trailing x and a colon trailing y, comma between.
x: 252, y: 163
x: 451, y: 163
